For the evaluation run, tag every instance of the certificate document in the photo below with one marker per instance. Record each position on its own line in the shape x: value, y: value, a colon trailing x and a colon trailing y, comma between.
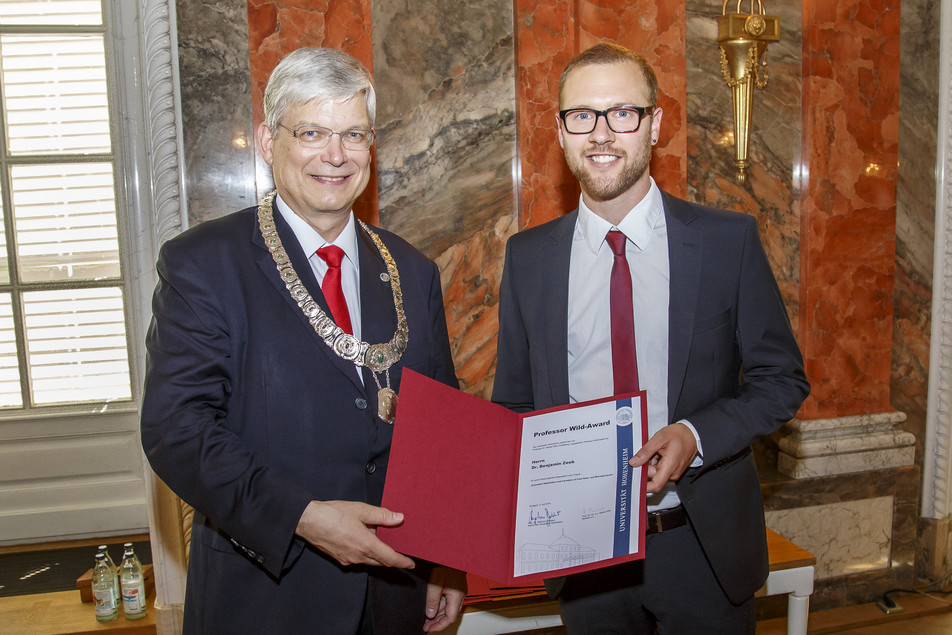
x: 578, y: 500
x: 515, y: 497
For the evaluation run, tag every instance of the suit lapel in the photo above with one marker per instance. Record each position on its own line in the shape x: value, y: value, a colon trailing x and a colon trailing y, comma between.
x: 554, y: 284
x: 684, y: 258
x: 306, y: 275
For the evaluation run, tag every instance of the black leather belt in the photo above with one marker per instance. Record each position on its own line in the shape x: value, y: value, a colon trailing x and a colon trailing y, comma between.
x: 666, y: 519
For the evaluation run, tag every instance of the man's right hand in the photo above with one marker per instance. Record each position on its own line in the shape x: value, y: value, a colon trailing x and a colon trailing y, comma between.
x: 345, y: 530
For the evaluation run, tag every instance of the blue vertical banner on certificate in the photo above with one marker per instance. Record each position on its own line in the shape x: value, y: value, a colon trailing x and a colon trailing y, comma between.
x: 624, y: 415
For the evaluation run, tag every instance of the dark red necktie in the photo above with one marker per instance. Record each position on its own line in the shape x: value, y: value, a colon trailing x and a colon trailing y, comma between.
x: 624, y: 361
x: 331, y: 288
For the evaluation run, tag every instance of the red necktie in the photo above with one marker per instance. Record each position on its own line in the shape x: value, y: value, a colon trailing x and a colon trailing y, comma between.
x: 624, y: 361
x: 333, y: 293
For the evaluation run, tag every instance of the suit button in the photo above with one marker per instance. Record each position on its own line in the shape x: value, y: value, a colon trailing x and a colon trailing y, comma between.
x: 361, y: 403
x: 371, y: 467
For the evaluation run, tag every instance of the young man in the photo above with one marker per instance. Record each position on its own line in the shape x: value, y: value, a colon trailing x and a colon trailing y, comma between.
x: 639, y: 290
x: 274, y: 357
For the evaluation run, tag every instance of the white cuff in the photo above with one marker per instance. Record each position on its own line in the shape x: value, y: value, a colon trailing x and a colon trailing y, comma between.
x: 699, y: 458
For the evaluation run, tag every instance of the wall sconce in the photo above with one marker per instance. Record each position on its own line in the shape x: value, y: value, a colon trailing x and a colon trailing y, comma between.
x: 743, y: 38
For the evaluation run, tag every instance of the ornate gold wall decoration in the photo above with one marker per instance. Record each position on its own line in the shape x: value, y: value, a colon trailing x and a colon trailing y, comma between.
x: 743, y: 38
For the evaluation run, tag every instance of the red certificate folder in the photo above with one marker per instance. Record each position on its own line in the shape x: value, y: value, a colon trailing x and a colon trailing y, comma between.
x: 454, y: 474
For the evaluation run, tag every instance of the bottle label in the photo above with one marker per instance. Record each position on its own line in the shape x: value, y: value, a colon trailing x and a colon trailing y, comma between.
x: 133, y: 599
x: 105, y: 601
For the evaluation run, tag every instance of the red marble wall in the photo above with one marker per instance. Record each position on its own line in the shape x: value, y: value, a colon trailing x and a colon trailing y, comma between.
x: 548, y: 34
x: 848, y: 214
x: 277, y: 27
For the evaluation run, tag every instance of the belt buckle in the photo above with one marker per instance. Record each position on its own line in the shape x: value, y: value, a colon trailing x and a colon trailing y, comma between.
x: 660, y: 525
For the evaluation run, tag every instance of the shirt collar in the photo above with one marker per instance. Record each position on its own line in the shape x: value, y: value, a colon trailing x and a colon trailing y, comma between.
x: 311, y: 241
x: 637, y: 225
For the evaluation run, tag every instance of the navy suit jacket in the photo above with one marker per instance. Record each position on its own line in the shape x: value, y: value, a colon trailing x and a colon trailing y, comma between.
x: 734, y: 368
x: 248, y: 416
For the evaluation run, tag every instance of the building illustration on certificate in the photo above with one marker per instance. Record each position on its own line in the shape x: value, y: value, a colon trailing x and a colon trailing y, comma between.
x: 561, y: 554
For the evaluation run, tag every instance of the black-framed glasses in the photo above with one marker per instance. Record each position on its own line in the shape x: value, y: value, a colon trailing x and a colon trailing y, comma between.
x: 319, y: 136
x: 619, y: 118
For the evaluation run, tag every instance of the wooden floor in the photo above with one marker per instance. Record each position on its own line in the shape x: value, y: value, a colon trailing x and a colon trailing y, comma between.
x: 921, y: 615
x: 63, y: 612
x: 933, y: 625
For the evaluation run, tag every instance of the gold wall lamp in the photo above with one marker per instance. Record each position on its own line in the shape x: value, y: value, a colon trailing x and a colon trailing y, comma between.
x: 743, y: 38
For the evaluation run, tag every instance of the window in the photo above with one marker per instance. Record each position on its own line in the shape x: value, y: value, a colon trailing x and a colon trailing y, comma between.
x: 63, y: 335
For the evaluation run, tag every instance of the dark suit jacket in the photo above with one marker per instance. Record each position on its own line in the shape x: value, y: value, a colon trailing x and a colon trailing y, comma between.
x: 726, y: 319
x: 248, y: 416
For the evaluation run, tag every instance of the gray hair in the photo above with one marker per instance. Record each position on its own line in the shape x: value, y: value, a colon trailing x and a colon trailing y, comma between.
x: 322, y: 74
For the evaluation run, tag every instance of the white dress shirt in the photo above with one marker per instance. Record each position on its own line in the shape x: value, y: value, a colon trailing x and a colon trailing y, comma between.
x: 311, y: 241
x: 589, y: 318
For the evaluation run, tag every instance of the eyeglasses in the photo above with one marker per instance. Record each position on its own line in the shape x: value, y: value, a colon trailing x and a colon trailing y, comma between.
x: 619, y: 118
x: 318, y: 137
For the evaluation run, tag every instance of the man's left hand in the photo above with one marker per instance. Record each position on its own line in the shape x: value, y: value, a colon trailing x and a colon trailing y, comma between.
x: 668, y: 453
x: 444, y: 598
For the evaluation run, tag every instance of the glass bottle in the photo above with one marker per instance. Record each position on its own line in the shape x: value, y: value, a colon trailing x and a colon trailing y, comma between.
x: 104, y: 590
x: 103, y: 549
x: 133, y: 585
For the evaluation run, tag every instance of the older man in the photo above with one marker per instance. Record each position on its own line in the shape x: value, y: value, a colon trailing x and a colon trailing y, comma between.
x: 636, y: 290
x: 274, y: 359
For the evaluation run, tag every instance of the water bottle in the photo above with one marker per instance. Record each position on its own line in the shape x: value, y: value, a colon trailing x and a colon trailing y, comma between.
x: 104, y: 590
x: 103, y: 549
x: 133, y: 585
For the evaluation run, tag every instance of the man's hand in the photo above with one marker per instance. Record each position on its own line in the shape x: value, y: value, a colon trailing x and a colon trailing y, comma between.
x: 444, y: 598
x: 344, y: 530
x: 668, y: 453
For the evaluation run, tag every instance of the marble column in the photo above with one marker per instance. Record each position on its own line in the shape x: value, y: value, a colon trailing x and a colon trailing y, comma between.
x: 849, y: 219
x: 934, y: 559
x: 545, y: 33
x: 848, y: 214
x: 216, y: 107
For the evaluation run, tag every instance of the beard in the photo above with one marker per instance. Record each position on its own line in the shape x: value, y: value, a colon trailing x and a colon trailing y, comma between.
x: 606, y: 187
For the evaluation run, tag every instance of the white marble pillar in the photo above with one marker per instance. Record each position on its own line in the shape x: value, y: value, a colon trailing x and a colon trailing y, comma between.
x: 143, y: 34
x: 840, y: 445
